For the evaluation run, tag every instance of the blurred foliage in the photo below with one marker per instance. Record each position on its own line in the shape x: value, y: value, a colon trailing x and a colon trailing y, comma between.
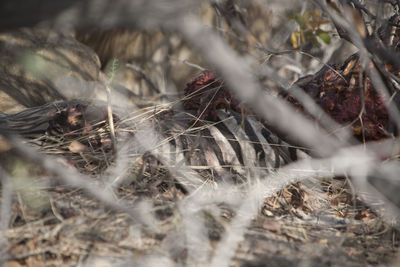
x: 309, y: 29
x: 23, y: 174
x: 112, y: 69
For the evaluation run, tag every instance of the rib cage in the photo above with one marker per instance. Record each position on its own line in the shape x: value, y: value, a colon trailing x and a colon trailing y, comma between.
x: 225, y: 146
x: 235, y: 144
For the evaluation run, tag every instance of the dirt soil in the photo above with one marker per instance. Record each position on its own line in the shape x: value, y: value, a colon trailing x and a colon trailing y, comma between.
x: 316, y: 223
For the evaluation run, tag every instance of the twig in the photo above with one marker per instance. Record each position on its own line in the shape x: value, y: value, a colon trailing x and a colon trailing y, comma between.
x: 235, y: 70
x: 111, y: 119
x: 144, y: 76
x: 109, y: 108
x: 191, y: 64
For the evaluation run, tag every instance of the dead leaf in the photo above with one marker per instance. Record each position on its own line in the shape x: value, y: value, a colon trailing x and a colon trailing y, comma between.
x: 273, y: 226
x: 324, y: 241
x: 77, y: 147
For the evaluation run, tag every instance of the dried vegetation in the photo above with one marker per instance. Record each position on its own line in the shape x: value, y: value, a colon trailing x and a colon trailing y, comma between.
x: 69, y: 198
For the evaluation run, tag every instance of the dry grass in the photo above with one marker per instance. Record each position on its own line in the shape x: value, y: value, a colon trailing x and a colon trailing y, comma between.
x: 74, y: 202
x: 312, y: 222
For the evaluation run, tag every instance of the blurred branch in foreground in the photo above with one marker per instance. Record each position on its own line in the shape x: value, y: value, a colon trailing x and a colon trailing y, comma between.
x: 191, y: 185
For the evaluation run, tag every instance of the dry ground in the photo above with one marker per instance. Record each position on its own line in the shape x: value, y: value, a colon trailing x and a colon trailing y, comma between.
x: 45, y: 222
x: 314, y: 223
